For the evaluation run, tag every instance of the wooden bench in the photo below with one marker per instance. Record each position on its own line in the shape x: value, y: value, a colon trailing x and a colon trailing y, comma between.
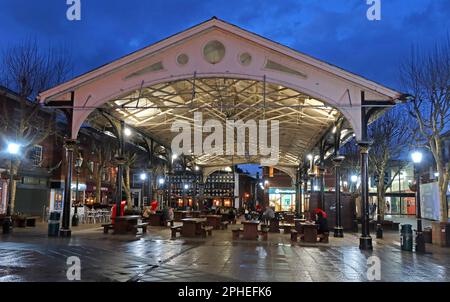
x: 323, y: 237
x: 236, y: 233
x: 207, y: 230
x: 25, y: 221
x: 396, y: 226
x: 224, y: 225
x: 287, y: 227
x: 294, y: 235
x: 107, y: 227
x: 142, y: 226
x: 174, y: 231
x: 263, y: 233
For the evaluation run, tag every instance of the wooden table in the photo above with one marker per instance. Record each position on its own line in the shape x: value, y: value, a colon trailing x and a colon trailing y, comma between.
x: 192, y: 227
x: 250, y: 229
x: 195, y: 214
x: 309, y: 232
x: 298, y: 222
x: 288, y: 218
x: 126, y: 224
x: 274, y: 225
x: 155, y: 219
x: 214, y: 221
x: 179, y: 215
x: 287, y: 227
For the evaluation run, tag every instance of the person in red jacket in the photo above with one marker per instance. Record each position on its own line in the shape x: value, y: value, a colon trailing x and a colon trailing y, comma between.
x: 114, y: 210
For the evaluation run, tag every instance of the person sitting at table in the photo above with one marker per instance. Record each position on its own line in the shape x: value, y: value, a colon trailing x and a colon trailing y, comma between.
x: 322, y: 222
x: 170, y: 214
x: 231, y: 215
x: 246, y: 214
x: 147, y: 212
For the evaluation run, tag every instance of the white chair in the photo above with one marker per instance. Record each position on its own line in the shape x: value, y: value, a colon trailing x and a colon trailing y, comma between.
x: 91, y: 216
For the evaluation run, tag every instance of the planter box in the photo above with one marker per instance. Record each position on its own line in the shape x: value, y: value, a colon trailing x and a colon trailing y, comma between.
x: 439, y: 233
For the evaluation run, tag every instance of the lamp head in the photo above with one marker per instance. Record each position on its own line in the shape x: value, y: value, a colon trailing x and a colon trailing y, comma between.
x: 13, y: 148
x: 416, y: 157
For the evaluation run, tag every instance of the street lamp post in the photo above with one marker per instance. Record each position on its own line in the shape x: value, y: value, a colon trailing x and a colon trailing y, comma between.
x: 13, y: 149
x: 161, y: 182
x: 420, y: 242
x: 185, y: 197
x: 338, y: 229
x: 78, y: 164
x: 143, y: 178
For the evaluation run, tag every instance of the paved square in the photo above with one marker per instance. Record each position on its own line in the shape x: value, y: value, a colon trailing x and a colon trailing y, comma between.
x: 29, y: 255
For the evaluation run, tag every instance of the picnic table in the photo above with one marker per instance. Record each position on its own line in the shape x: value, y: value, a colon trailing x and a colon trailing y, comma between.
x: 192, y: 227
x: 155, y: 219
x: 309, y: 231
x: 126, y: 224
x: 214, y: 221
x: 179, y: 215
x: 250, y: 229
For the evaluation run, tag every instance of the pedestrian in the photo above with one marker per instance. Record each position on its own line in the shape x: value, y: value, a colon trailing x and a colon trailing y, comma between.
x: 268, y: 215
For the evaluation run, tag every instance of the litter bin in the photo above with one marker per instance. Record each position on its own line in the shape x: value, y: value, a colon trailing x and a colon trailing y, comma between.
x: 406, y: 237
x: 53, y: 224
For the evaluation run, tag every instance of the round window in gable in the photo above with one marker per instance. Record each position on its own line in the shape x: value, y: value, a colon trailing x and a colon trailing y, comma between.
x: 214, y: 52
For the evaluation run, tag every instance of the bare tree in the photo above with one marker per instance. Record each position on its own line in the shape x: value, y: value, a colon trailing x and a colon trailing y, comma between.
x: 390, y: 137
x: 26, y: 70
x: 126, y: 180
x: 350, y: 165
x: 103, y: 153
x: 426, y: 76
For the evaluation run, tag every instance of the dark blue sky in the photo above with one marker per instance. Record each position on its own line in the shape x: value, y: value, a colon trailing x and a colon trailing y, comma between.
x: 336, y: 31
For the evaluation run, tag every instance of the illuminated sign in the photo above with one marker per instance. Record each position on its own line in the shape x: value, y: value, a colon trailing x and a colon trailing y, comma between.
x: 281, y: 191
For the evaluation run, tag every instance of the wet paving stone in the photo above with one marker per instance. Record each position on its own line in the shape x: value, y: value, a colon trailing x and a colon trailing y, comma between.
x: 29, y: 255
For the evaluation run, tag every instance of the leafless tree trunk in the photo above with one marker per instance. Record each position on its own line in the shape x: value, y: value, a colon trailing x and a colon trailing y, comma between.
x: 426, y: 76
x: 27, y: 70
x: 126, y: 180
x: 103, y: 153
x: 390, y: 137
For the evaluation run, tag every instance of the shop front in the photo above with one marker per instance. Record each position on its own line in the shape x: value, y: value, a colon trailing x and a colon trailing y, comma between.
x: 88, y: 197
x: 222, y: 202
x: 282, y: 199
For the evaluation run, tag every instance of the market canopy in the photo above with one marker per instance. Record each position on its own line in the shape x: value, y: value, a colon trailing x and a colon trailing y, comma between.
x: 226, y: 73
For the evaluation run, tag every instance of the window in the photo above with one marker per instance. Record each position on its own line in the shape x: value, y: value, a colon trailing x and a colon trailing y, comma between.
x: 35, y: 156
x: 106, y: 176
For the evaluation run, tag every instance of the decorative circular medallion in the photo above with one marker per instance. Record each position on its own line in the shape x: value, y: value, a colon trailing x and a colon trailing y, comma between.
x: 245, y: 59
x: 183, y: 59
x: 214, y: 51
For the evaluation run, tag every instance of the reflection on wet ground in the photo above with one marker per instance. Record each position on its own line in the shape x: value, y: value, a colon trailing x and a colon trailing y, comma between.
x: 29, y: 255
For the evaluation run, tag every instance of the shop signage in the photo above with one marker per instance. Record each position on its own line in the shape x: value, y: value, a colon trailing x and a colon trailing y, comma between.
x: 281, y: 191
x: 81, y: 187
